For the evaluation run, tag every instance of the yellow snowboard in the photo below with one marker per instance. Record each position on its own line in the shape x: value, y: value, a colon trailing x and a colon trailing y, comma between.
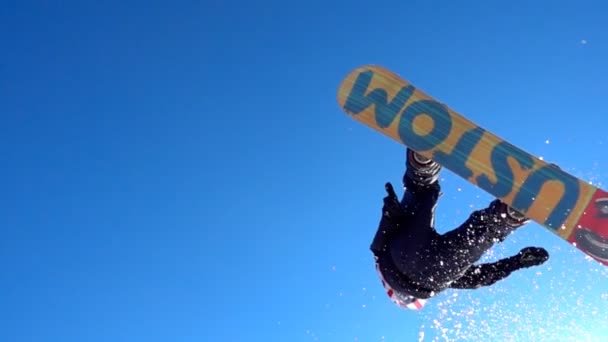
x: 570, y: 207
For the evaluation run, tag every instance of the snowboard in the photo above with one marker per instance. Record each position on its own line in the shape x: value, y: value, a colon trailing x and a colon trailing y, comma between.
x: 571, y: 208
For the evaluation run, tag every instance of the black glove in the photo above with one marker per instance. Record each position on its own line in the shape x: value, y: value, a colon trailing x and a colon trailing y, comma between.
x: 392, y: 209
x: 531, y: 256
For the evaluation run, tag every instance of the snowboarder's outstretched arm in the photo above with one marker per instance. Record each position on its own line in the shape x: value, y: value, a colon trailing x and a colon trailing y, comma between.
x: 490, y: 273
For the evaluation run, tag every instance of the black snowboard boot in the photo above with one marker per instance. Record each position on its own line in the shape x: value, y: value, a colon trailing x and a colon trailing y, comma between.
x: 420, y: 170
x: 512, y: 217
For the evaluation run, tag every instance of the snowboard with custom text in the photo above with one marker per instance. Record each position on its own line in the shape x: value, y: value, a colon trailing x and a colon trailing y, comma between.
x: 564, y: 204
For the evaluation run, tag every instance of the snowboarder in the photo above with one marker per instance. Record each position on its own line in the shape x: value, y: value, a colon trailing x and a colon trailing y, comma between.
x: 415, y: 262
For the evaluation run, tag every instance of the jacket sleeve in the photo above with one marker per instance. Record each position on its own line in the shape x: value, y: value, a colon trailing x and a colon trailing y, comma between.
x: 393, y: 215
x: 486, y: 274
x: 386, y: 229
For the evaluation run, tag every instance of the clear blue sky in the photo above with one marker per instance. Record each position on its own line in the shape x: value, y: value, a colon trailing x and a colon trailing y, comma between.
x: 181, y: 171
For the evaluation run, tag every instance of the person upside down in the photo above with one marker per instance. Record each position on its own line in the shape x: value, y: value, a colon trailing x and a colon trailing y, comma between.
x: 415, y: 262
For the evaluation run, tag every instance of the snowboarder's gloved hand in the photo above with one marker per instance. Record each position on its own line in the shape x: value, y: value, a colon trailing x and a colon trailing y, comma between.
x: 532, y: 256
x: 392, y: 209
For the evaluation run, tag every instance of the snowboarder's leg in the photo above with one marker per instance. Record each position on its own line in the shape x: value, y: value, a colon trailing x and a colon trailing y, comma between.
x: 482, y: 229
x: 458, y: 249
x: 421, y: 193
x: 422, y: 189
x: 407, y: 223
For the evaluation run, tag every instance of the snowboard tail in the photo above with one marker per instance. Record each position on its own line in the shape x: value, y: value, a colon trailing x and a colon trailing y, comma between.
x: 564, y: 204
